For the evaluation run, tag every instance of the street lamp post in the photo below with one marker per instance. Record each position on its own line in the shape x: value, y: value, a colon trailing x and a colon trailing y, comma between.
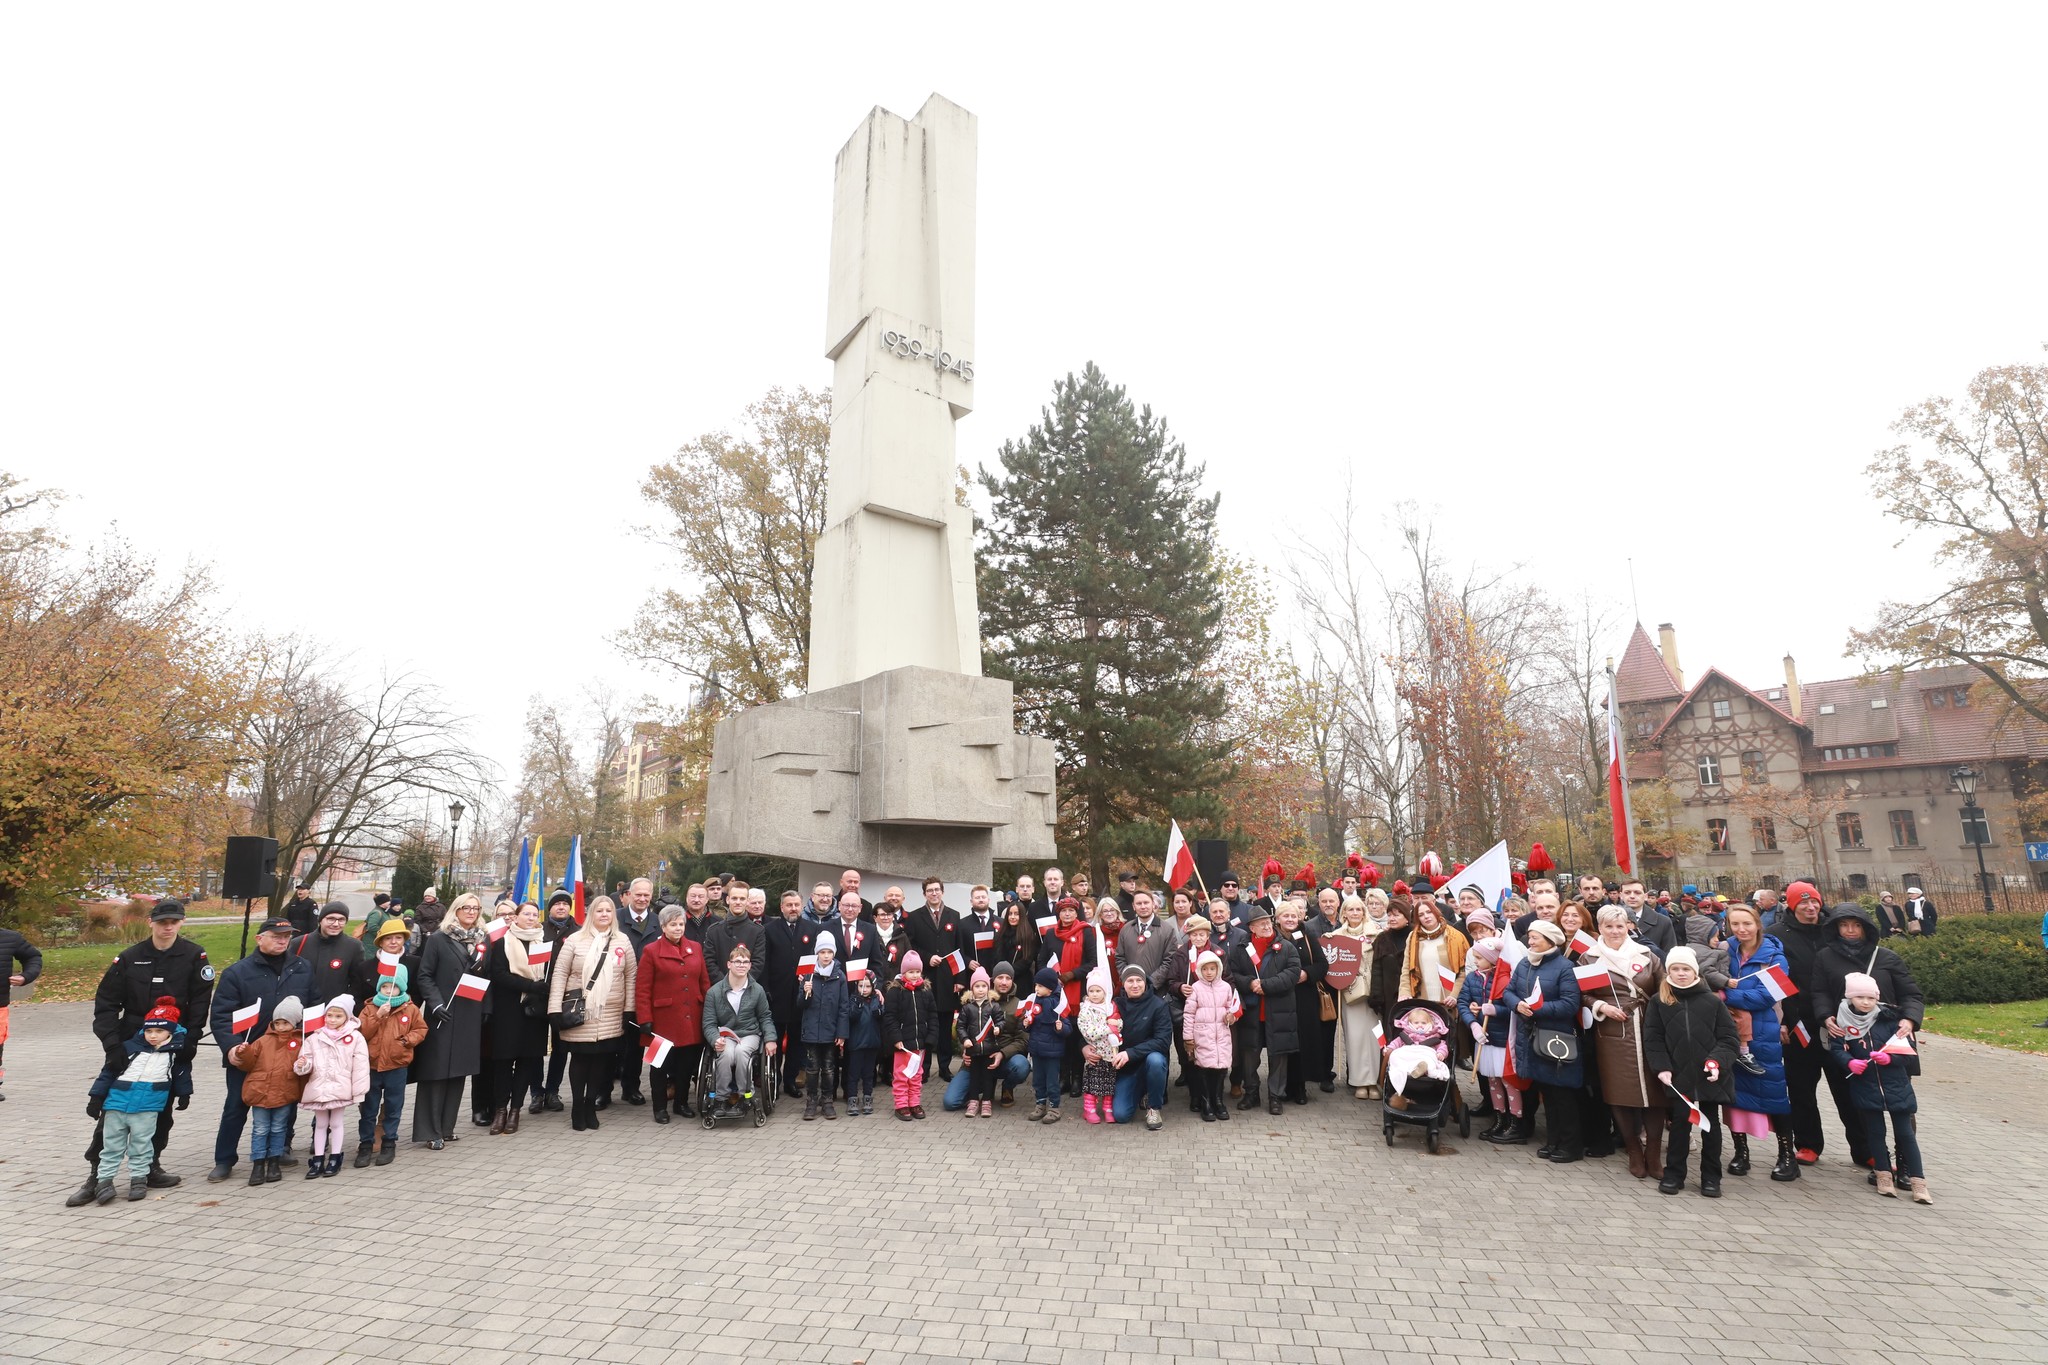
x: 455, y: 810
x: 1965, y: 780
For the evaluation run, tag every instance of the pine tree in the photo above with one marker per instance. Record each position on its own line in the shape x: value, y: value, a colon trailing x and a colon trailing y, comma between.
x: 1100, y: 602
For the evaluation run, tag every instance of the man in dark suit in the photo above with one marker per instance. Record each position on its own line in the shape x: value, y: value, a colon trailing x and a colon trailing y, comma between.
x: 978, y: 929
x: 1651, y: 925
x: 638, y: 922
x: 935, y: 934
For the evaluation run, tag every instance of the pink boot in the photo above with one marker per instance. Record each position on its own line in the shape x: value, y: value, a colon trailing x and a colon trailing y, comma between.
x: 1089, y: 1111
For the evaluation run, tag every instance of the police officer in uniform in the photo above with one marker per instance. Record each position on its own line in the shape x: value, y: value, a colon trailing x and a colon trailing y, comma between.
x: 162, y: 964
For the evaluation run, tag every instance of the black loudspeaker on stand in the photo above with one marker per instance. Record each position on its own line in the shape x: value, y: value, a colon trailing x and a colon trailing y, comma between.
x: 1212, y: 860
x: 248, y: 871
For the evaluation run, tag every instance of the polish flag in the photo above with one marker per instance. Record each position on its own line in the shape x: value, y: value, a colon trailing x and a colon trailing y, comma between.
x: 1535, y: 998
x: 471, y: 987
x: 1617, y: 785
x: 956, y: 961
x: 1900, y: 1046
x: 913, y: 1065
x: 657, y: 1050
x: 807, y: 964
x: 316, y: 1018
x: 1803, y: 1034
x: 539, y: 954
x: 1446, y: 978
x: 1698, y: 1117
x: 387, y: 964
x: 1379, y: 1036
x: 1046, y: 922
x: 856, y: 969
x: 1777, y: 982
x: 1593, y: 977
x: 984, y: 938
x: 245, y: 1018
x: 498, y: 928
x: 1583, y: 942
x: 1180, y: 859
x: 1028, y: 1010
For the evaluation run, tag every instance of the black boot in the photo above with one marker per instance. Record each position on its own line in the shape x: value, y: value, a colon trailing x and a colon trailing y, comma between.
x: 1250, y: 1099
x: 159, y: 1178
x: 83, y: 1195
x: 365, y: 1154
x: 1788, y: 1160
x: 259, y: 1172
x: 1676, y: 1151
x: 1740, y: 1165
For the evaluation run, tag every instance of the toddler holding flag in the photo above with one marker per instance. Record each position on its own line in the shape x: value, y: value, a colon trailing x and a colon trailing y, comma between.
x: 336, y: 1066
x: 1881, y: 1063
x: 910, y: 1025
x: 1045, y: 1022
x: 823, y: 1029
x: 863, y: 1045
x: 1690, y: 1041
x: 392, y: 1025
x: 271, y: 1087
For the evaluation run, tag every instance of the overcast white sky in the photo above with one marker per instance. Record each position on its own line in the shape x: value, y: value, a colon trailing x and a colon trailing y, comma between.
x: 425, y: 283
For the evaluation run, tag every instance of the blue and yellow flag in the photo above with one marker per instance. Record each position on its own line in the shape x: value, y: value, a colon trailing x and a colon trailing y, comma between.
x: 522, y: 880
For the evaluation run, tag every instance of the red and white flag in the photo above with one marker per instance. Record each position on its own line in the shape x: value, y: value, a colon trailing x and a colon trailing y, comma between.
x: 245, y: 1018
x: 657, y: 1050
x: 1535, y: 997
x: 1617, y: 784
x: 1698, y: 1118
x: 856, y: 969
x: 1028, y: 1010
x: 956, y: 961
x: 498, y: 928
x: 1803, y: 1034
x: 387, y: 964
x: 538, y: 954
x: 1777, y: 982
x: 1045, y: 922
x: 807, y: 964
x: 472, y: 987
x: 1446, y: 978
x: 1900, y: 1046
x: 984, y: 938
x: 1583, y: 942
x: 1592, y: 977
x: 316, y: 1018
x: 1379, y: 1036
x: 1180, y: 859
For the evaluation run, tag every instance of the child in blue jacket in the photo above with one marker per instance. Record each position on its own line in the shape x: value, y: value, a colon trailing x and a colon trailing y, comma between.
x: 151, y: 1077
x: 863, y: 1045
x: 1046, y: 1041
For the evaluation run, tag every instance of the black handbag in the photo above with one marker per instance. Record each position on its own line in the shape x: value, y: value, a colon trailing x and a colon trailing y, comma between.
x: 573, y: 1015
x: 1557, y: 1045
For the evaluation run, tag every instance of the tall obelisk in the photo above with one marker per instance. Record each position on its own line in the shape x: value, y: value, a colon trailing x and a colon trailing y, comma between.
x: 901, y: 760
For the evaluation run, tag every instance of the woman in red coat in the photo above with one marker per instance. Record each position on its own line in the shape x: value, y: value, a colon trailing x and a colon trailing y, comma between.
x: 670, y: 992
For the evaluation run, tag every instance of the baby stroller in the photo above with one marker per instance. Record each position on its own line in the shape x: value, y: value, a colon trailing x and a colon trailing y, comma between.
x: 1431, y: 1103
x: 758, y: 1108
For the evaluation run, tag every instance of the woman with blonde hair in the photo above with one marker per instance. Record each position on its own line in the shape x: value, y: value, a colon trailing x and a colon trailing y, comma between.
x: 1633, y: 976
x: 455, y: 1024
x: 1355, y: 1056
x: 590, y: 999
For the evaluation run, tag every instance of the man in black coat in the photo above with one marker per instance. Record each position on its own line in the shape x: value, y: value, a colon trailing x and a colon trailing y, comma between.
x: 14, y: 949
x: 1802, y: 934
x: 162, y: 964
x: 263, y: 978
x: 1849, y: 944
x: 1649, y: 923
x: 935, y: 933
x: 638, y: 922
x: 978, y: 929
x: 302, y: 910
x: 339, y: 962
x: 788, y: 938
x: 739, y: 926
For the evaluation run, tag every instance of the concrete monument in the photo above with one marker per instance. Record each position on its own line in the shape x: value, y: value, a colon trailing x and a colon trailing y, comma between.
x: 902, y: 760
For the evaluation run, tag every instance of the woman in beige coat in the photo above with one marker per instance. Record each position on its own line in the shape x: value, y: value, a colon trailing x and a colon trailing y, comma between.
x: 1355, y: 1056
x: 597, y: 964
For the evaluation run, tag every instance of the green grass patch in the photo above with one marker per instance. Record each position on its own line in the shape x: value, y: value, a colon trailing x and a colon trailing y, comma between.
x: 74, y: 973
x: 2009, y: 1025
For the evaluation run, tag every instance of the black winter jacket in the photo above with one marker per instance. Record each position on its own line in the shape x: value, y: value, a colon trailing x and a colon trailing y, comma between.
x: 14, y: 948
x: 909, y: 1018
x: 1681, y: 1036
x: 1836, y: 959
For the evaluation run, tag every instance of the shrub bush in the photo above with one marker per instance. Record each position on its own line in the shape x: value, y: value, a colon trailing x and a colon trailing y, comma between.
x: 1977, y: 959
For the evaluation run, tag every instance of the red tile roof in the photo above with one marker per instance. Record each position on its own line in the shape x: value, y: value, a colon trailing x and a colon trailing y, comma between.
x: 1978, y: 732
x: 1775, y: 708
x: 1643, y: 674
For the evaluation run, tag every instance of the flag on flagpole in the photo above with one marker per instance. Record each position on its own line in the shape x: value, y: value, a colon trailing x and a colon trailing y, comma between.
x: 316, y: 1018
x: 523, y: 889
x: 537, y: 954
x: 387, y: 963
x: 245, y: 1018
x: 984, y: 938
x: 657, y: 1050
x: 540, y: 870
x: 1180, y: 859
x: 471, y: 987
x: 572, y: 875
x: 1617, y: 784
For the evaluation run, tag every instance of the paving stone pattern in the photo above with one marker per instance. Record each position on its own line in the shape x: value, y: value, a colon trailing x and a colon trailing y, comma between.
x: 1302, y: 1238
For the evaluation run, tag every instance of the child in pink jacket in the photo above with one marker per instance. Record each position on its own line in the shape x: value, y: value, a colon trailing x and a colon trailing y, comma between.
x: 336, y: 1064
x: 1212, y: 1007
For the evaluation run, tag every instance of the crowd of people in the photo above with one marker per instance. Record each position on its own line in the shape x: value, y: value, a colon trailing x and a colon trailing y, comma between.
x: 1621, y: 1024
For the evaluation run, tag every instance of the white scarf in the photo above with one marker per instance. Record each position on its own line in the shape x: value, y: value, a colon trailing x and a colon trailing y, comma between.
x: 516, y: 940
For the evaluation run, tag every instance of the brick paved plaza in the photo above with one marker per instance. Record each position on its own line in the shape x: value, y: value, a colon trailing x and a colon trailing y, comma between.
x: 872, y: 1240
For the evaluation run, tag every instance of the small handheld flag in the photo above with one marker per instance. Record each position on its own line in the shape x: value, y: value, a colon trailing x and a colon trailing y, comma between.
x: 1803, y: 1034
x: 387, y: 964
x: 1045, y: 922
x: 538, y: 954
x: 1778, y: 983
x: 913, y: 1065
x: 1535, y: 1000
x: 1900, y: 1046
x: 807, y: 964
x: 498, y: 928
x: 1379, y: 1036
x: 1593, y: 977
x: 316, y: 1018
x: 956, y: 961
x: 984, y: 938
x: 1583, y: 942
x: 856, y: 969
x: 245, y: 1018
x: 1698, y: 1117
x: 657, y: 1050
x: 1446, y: 978
x: 472, y: 987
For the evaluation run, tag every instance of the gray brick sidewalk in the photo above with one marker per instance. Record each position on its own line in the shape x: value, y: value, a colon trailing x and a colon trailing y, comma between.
x: 880, y: 1242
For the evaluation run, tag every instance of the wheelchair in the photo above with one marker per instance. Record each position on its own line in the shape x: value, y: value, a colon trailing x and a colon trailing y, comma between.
x: 758, y: 1108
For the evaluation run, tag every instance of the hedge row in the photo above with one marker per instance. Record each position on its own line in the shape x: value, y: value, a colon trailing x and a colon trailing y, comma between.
x: 1978, y: 959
